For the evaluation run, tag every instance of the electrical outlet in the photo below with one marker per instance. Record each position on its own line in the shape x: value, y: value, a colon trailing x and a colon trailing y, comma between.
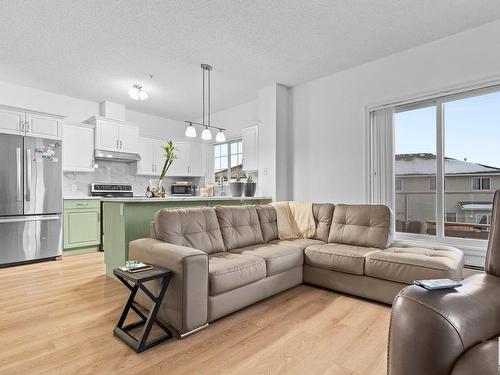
x: 73, y: 187
x: 265, y: 172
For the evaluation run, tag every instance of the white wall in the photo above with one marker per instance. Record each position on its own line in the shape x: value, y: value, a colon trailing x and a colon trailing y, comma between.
x: 78, y: 110
x: 328, y: 142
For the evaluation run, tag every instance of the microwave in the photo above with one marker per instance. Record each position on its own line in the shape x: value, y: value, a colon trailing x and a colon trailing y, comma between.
x: 182, y: 189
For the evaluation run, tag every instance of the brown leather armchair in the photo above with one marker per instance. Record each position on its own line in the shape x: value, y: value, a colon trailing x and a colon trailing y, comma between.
x: 451, y: 331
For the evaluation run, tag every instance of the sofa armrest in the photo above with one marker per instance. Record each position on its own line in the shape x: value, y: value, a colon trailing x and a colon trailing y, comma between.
x: 429, y: 330
x: 185, y: 305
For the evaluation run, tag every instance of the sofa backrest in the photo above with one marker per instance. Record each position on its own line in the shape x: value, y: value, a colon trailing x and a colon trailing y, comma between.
x: 362, y: 225
x: 192, y: 227
x: 322, y: 213
x: 239, y: 226
x: 268, y: 222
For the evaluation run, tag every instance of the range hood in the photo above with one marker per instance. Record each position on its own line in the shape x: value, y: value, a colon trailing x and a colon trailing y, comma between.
x: 125, y: 157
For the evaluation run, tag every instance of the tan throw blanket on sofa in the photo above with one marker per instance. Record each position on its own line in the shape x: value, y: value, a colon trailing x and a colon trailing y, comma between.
x: 295, y: 220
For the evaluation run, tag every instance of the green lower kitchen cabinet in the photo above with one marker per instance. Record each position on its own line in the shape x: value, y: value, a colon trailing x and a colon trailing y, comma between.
x: 82, y: 226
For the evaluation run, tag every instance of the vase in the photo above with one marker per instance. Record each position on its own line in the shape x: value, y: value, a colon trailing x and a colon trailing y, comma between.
x: 155, y: 186
x: 236, y: 188
x: 250, y: 189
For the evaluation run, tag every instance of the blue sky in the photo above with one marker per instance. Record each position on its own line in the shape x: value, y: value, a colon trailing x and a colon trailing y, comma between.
x: 472, y: 130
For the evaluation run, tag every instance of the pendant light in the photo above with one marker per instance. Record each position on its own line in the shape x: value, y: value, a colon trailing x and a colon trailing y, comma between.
x: 190, y: 131
x: 220, y: 137
x: 206, y: 134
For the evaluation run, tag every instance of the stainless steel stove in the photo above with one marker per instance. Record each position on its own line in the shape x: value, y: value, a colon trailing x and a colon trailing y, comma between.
x: 111, y: 190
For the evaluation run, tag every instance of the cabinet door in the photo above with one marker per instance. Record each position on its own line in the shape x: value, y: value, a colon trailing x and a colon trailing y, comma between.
x: 250, y: 148
x: 81, y: 228
x: 195, y: 167
x: 146, y: 165
x: 107, y: 136
x: 179, y: 167
x: 129, y: 138
x: 11, y: 122
x: 158, y: 156
x: 78, y: 148
x: 43, y: 126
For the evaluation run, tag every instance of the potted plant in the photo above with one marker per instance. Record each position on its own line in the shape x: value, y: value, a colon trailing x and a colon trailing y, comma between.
x: 250, y: 186
x: 237, y: 186
x: 156, y: 189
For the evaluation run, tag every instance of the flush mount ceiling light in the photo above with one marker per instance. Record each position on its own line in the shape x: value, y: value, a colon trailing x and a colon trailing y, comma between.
x: 136, y: 92
x: 206, y: 134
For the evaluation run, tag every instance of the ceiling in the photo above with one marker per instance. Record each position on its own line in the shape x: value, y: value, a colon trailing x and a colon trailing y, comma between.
x: 96, y: 49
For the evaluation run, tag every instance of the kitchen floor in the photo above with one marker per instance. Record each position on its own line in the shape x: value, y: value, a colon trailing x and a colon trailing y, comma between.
x: 58, y: 317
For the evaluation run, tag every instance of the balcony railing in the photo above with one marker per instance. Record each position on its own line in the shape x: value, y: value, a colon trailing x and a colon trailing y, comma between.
x: 451, y: 229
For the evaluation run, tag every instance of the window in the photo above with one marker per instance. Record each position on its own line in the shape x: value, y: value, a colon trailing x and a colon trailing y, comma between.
x: 228, y: 159
x: 415, y: 160
x: 398, y: 183
x: 432, y: 183
x: 451, y: 217
x: 446, y: 149
x: 481, y: 183
x: 483, y: 219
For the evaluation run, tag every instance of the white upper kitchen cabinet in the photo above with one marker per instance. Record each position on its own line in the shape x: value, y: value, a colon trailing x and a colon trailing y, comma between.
x: 180, y: 166
x: 129, y: 138
x: 115, y: 135
x: 78, y: 148
x: 152, y: 157
x: 195, y: 167
x: 12, y: 122
x: 250, y: 138
x: 34, y: 124
x: 43, y: 126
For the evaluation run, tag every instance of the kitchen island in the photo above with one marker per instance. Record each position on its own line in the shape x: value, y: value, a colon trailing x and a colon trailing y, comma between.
x: 129, y: 218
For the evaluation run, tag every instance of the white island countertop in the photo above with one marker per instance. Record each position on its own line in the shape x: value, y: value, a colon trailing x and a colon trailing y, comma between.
x: 143, y: 199
x: 79, y: 197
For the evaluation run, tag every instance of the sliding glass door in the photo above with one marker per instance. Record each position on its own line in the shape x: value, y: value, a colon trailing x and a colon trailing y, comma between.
x: 447, y: 165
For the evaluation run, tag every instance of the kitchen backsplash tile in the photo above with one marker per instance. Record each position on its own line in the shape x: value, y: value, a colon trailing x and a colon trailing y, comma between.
x: 116, y: 172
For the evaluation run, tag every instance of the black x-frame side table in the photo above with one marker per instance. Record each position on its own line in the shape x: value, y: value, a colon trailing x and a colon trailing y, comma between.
x: 134, y: 282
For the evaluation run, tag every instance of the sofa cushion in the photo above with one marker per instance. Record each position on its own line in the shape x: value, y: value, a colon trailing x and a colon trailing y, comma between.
x: 239, y: 226
x: 301, y: 243
x: 323, y: 214
x: 480, y: 359
x: 361, y: 225
x: 192, y: 227
x: 228, y: 271
x: 268, y: 222
x: 338, y: 257
x: 278, y: 258
x: 407, y: 263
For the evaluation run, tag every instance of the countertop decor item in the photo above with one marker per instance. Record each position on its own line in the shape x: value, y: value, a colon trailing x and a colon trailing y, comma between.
x: 237, y: 186
x: 156, y: 188
x: 250, y: 187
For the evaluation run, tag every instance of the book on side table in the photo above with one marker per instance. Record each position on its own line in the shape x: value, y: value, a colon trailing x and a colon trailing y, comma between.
x: 133, y: 266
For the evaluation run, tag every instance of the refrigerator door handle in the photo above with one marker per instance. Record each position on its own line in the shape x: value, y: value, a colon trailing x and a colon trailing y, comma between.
x: 28, y: 174
x: 19, y: 190
x: 28, y: 218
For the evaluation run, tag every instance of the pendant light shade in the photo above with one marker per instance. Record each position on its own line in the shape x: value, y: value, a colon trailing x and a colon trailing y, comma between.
x: 220, y: 137
x: 206, y: 134
x: 136, y: 92
x: 190, y: 131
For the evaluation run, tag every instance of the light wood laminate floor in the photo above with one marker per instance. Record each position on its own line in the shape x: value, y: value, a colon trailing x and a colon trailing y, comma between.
x: 57, y: 318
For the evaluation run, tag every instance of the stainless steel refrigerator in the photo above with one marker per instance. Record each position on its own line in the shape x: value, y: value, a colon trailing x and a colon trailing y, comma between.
x: 30, y: 198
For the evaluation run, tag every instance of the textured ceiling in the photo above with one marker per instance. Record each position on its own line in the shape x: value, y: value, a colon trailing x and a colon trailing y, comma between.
x: 96, y: 49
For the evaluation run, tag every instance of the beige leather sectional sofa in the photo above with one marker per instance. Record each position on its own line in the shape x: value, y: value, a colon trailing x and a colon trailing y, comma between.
x: 229, y: 257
